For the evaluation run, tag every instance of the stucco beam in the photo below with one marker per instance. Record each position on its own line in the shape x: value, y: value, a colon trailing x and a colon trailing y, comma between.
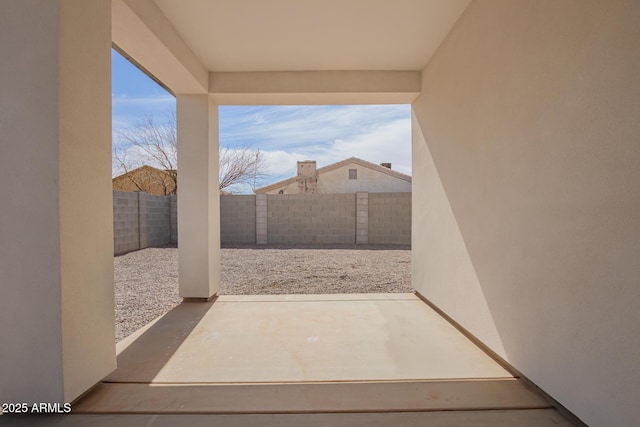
x: 143, y: 32
x: 315, y: 87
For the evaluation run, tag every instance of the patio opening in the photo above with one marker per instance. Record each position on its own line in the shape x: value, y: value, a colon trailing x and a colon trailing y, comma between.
x: 290, y: 225
x: 313, y: 199
x: 323, y: 212
x: 315, y: 312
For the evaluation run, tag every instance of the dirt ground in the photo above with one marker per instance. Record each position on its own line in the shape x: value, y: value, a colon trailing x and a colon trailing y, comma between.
x: 146, y: 281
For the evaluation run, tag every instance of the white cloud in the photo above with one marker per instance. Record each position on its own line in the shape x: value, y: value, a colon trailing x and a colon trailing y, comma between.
x: 282, y: 163
x: 390, y: 142
x: 288, y: 134
x: 377, y: 137
x: 294, y: 127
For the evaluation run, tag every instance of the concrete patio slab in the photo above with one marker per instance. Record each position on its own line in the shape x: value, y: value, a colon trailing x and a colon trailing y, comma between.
x: 290, y: 360
x: 304, y: 338
x: 318, y: 297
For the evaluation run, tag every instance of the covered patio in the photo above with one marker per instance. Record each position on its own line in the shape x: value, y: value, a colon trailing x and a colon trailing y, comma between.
x: 313, y: 354
x: 524, y: 214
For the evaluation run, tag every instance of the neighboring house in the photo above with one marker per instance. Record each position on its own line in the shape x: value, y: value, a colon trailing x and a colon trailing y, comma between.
x: 148, y: 179
x: 347, y: 176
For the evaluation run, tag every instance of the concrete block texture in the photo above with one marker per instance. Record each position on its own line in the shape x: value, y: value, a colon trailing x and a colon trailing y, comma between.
x: 155, y: 220
x: 390, y: 218
x: 141, y: 220
x: 238, y: 219
x: 311, y: 218
x: 173, y: 203
x: 125, y: 222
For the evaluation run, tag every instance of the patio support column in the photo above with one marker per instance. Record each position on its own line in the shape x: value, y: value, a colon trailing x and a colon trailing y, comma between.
x: 56, y: 220
x: 198, y: 197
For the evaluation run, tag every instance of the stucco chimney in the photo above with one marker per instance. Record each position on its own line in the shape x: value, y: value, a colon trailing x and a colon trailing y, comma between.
x: 307, y: 178
x: 307, y: 169
x: 386, y: 165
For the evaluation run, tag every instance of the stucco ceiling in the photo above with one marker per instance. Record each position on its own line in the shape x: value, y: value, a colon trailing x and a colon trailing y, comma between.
x: 298, y: 35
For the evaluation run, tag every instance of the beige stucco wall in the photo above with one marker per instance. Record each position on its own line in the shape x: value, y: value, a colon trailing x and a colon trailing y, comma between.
x: 337, y: 181
x: 286, y: 189
x: 142, y: 31
x: 86, y: 216
x: 315, y: 87
x: 199, y: 201
x: 526, y: 171
x: 56, y: 222
x: 31, y: 356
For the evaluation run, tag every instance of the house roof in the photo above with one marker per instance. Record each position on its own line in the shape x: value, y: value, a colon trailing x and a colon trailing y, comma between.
x: 140, y: 169
x: 337, y: 165
x: 147, y: 179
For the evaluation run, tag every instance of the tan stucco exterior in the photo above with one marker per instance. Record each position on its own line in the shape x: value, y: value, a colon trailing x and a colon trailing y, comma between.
x: 56, y: 255
x: 334, y: 178
x: 199, y: 201
x: 525, y: 170
x: 525, y: 199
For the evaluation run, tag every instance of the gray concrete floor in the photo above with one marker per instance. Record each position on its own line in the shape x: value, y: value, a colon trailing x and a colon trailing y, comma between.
x: 312, y: 360
x: 293, y: 338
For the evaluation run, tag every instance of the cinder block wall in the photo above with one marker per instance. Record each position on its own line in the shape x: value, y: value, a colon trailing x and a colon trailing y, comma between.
x: 390, y: 218
x: 238, y: 219
x: 311, y: 218
x: 125, y: 222
x: 141, y: 220
x: 155, y: 220
x: 173, y: 206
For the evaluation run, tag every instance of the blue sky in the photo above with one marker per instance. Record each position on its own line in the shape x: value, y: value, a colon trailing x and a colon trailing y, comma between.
x: 286, y: 134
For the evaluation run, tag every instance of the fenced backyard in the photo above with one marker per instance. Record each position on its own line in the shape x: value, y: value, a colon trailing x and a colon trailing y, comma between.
x: 311, y: 244
x: 146, y: 281
x: 142, y: 220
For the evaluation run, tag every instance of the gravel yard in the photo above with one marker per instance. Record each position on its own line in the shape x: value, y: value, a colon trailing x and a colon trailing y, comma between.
x: 146, y: 281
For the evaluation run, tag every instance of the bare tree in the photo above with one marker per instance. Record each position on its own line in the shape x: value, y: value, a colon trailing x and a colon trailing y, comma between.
x: 155, y: 144
x: 149, y: 143
x: 241, y: 166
